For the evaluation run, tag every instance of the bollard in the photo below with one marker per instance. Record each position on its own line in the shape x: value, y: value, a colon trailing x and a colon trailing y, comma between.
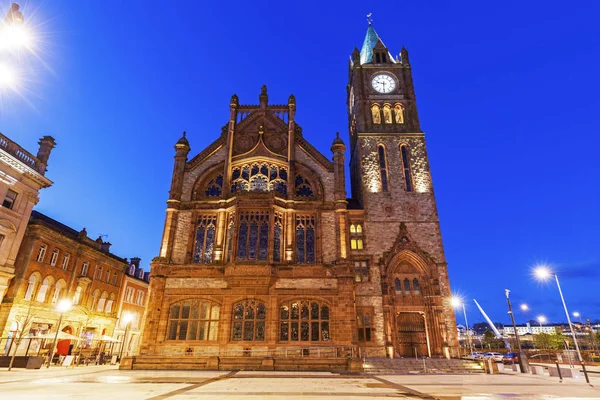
x: 587, y: 378
x: 559, y: 373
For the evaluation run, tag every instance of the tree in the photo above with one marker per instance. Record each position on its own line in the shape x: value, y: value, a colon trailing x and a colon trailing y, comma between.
x: 549, y: 341
x: 24, y: 323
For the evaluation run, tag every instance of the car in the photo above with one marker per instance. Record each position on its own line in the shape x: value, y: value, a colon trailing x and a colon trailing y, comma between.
x: 510, y: 358
x: 476, y: 355
x: 494, y: 356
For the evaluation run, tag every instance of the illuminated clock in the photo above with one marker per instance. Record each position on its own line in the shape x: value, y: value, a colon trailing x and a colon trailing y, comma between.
x: 383, y: 83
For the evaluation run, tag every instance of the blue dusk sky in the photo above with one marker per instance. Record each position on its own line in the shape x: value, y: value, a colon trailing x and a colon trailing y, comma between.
x: 508, y: 97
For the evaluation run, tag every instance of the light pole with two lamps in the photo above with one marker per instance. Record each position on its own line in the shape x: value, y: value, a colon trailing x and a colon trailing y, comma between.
x: 458, y: 302
x: 127, y: 318
x: 544, y: 273
x: 63, y: 306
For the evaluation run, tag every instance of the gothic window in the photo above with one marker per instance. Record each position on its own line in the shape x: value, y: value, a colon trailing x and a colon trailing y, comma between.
x: 397, y: 285
x: 383, y: 168
x: 363, y: 321
x: 387, y: 114
x: 230, y: 229
x: 259, y: 177
x: 249, y: 321
x: 361, y: 271
x: 304, y: 320
x: 253, y: 237
x: 356, y: 237
x: 193, y: 320
x: 406, y: 286
x: 277, y: 236
x: 376, y: 114
x: 399, y: 113
x: 214, y: 188
x: 305, y: 239
x: 206, y: 226
x: 42, y: 253
x: 416, y: 287
x: 406, y: 168
x: 303, y: 187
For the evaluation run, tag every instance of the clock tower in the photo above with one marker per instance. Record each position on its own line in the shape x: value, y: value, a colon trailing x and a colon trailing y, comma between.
x: 392, y: 188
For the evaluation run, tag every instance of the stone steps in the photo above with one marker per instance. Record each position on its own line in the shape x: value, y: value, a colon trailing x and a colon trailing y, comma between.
x: 412, y: 366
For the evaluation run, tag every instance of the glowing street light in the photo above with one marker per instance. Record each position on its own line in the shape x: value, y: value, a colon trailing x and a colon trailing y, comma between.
x: 456, y: 303
x: 543, y: 273
x: 62, y: 307
x: 127, y: 318
x: 524, y: 307
x: 542, y: 320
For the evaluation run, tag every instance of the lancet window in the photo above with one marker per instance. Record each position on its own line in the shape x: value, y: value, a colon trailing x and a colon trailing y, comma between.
x: 407, y: 286
x: 193, y: 320
x: 259, y: 177
x: 277, y: 237
x: 399, y: 114
x: 206, y: 227
x: 214, y: 188
x: 303, y: 187
x: 356, y: 237
x: 249, y: 321
x: 253, y: 236
x: 387, y: 114
x: 383, y: 168
x: 406, y: 168
x: 305, y: 239
x: 304, y: 320
x: 229, y: 239
x: 376, y: 113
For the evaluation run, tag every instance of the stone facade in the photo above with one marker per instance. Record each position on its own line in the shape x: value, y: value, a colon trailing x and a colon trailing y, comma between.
x: 21, y: 177
x: 262, y: 250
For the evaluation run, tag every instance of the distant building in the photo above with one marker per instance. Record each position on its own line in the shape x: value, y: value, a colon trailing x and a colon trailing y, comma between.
x: 56, y: 262
x: 529, y: 329
x: 21, y: 178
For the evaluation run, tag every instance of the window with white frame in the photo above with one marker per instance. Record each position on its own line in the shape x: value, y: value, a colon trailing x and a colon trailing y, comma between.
x: 42, y: 253
x: 99, y: 273
x: 54, y: 257
x: 66, y: 259
x: 84, y: 268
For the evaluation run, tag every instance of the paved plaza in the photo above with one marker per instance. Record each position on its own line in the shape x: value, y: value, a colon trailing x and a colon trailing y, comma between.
x: 95, y: 382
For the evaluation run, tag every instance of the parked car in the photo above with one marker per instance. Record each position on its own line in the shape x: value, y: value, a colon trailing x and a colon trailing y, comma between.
x: 510, y: 358
x: 494, y: 356
x: 476, y: 355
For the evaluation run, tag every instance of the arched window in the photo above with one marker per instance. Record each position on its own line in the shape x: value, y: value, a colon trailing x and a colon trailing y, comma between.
x: 356, y: 237
x: 305, y: 239
x: 102, y: 302
x: 303, y: 187
x: 363, y: 322
x: 230, y: 229
x: 397, y: 285
x: 58, y: 291
x: 383, y: 168
x: 193, y: 320
x: 399, y: 113
x: 109, y: 303
x: 253, y: 237
x: 352, y: 228
x: 31, y: 286
x: 406, y: 168
x: 376, y: 114
x: 95, y: 298
x: 249, y: 321
x: 406, y: 287
x: 41, y: 295
x: 304, y: 320
x: 77, y: 296
x: 214, y: 188
x: 416, y: 287
x: 387, y: 114
x: 206, y: 227
x: 277, y: 236
x: 259, y: 177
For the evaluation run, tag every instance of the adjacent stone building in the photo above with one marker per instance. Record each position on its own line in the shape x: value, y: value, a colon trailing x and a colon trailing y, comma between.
x: 262, y: 250
x: 58, y: 262
x: 22, y: 175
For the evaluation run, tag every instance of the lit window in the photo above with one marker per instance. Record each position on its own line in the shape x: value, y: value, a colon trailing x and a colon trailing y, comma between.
x: 77, y: 297
x: 205, y: 239
x: 387, y: 114
x: 253, y: 236
x: 376, y: 113
x: 41, y: 253
x: 193, y: 320
x: 249, y: 318
x: 399, y: 113
x: 361, y: 271
x: 10, y: 199
x: 41, y: 296
x: 383, y: 168
x: 356, y: 237
x: 304, y: 320
x: 31, y: 284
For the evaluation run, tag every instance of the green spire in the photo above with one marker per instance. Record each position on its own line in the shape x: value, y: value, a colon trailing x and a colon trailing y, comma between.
x: 371, y: 39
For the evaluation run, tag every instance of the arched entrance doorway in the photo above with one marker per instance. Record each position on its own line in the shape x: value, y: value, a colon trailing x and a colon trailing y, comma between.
x: 411, y: 335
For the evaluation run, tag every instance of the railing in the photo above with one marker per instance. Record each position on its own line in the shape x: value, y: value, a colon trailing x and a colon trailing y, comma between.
x: 292, y: 352
x: 21, y: 154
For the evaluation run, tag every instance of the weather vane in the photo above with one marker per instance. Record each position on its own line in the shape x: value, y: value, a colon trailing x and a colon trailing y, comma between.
x: 369, y: 19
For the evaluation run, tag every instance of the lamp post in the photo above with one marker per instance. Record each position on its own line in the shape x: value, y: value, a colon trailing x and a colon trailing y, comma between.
x: 127, y: 318
x: 458, y: 302
x: 542, y: 320
x: 63, y: 306
x: 544, y: 273
x: 522, y: 358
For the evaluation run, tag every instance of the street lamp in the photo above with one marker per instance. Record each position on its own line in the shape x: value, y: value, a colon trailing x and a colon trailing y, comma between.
x: 542, y: 320
x: 458, y: 302
x: 544, y: 273
x: 63, y: 306
x: 525, y: 309
x: 127, y: 318
x: 522, y: 358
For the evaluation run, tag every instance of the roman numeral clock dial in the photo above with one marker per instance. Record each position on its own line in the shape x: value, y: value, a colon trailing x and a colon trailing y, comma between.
x: 383, y: 83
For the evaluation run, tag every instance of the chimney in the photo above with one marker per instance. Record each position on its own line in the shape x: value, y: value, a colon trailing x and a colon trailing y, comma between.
x: 105, y: 246
x: 136, y: 261
x: 46, y: 143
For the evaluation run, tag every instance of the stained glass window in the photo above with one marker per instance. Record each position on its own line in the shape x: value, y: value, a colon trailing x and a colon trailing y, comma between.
x: 397, y: 285
x: 230, y: 229
x: 277, y: 232
x: 214, y: 187
x: 259, y: 177
x: 406, y: 286
x: 406, y: 169
x: 249, y: 319
x: 205, y: 239
x: 193, y: 320
x: 383, y: 168
x: 307, y: 321
x: 416, y: 287
x: 253, y: 237
x: 305, y: 239
x: 303, y: 187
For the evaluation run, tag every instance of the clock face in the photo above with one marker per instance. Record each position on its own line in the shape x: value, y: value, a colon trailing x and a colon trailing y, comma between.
x: 383, y: 83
